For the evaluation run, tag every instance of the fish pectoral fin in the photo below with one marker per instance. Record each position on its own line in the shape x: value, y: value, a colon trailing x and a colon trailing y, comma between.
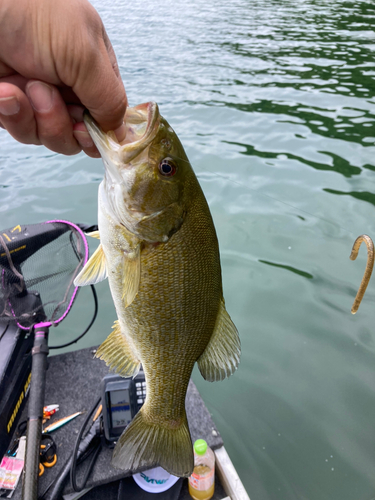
x: 131, y: 275
x: 94, y: 234
x: 222, y: 355
x: 117, y: 353
x: 148, y: 444
x: 94, y: 271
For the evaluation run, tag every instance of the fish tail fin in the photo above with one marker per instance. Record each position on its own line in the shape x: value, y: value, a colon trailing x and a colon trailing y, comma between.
x: 146, y: 445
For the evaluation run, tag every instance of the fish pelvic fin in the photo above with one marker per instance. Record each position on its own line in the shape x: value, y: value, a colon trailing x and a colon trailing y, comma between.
x: 117, y: 353
x: 94, y: 271
x: 94, y: 234
x: 222, y: 355
x: 147, y: 445
x: 132, y: 275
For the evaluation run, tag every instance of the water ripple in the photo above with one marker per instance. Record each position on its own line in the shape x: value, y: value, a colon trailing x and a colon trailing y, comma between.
x: 275, y: 104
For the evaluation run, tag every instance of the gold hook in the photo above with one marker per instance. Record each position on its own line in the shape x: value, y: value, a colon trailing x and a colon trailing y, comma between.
x: 368, y: 270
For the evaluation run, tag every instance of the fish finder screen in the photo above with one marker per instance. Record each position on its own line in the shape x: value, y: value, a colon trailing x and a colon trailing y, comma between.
x: 120, y: 408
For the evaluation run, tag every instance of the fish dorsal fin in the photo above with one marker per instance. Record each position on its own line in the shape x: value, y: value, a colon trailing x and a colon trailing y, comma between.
x: 222, y: 355
x: 118, y: 354
x: 131, y: 275
x: 94, y: 234
x: 94, y: 271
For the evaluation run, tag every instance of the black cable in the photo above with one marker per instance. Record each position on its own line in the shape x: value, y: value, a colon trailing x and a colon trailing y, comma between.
x: 89, y: 437
x: 59, y: 483
x: 87, y: 329
x: 73, y: 478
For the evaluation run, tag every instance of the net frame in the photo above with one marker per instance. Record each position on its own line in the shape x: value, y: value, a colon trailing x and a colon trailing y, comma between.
x: 81, y: 262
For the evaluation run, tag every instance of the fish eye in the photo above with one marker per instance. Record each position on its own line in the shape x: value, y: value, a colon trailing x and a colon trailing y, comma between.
x: 167, y: 167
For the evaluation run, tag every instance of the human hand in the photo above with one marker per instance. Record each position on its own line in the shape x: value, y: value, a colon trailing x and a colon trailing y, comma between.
x: 55, y: 61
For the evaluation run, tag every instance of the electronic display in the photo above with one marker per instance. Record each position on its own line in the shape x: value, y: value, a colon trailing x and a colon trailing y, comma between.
x: 120, y: 408
x: 122, y: 398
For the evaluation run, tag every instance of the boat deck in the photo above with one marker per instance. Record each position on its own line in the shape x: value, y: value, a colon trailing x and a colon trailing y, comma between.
x: 73, y: 382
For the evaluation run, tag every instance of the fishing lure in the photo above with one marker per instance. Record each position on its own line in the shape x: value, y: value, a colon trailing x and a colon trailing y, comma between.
x: 369, y: 266
x: 59, y: 423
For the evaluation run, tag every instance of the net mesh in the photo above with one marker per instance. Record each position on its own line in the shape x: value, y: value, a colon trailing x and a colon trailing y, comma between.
x: 38, y: 264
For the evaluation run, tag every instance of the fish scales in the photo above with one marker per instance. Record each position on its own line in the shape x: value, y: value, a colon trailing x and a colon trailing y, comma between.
x: 179, y: 296
x: 159, y: 250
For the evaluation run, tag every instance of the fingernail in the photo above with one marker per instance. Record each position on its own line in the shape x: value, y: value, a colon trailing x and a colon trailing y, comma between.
x: 40, y: 95
x: 9, y: 106
x: 83, y: 138
x: 120, y: 132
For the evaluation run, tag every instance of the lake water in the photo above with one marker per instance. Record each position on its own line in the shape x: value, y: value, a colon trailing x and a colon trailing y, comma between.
x: 274, y: 103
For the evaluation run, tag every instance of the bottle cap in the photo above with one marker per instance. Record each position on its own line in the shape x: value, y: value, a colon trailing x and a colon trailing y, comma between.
x: 200, y: 446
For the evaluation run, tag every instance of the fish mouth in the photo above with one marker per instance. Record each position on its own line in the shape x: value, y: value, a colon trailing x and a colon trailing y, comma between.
x: 141, y: 122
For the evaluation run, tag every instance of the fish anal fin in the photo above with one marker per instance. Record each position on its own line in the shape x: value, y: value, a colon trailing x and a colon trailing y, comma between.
x: 222, y: 355
x: 146, y: 445
x: 131, y: 275
x: 118, y: 354
x: 94, y: 271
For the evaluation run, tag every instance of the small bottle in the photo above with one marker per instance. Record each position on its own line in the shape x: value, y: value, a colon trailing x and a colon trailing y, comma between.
x: 202, y: 481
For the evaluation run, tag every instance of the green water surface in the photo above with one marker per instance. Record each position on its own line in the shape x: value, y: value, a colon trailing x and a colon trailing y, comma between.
x: 274, y: 102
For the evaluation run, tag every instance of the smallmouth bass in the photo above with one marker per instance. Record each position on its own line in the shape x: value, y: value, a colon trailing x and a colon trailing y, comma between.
x: 159, y: 250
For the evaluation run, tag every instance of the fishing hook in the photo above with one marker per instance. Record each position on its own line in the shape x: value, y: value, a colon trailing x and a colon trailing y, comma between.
x: 368, y: 270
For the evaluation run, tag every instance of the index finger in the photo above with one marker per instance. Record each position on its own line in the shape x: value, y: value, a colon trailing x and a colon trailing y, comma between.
x: 100, y: 88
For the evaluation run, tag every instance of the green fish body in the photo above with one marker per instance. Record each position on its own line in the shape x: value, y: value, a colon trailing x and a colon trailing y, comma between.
x: 159, y: 250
